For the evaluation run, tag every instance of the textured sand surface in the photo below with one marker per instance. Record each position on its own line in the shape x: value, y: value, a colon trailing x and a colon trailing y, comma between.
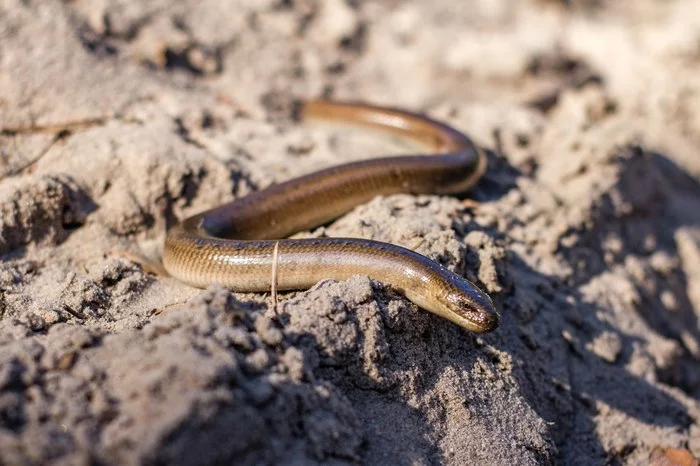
x: 117, y: 118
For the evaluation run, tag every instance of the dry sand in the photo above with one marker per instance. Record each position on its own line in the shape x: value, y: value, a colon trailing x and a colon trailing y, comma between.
x: 119, y: 117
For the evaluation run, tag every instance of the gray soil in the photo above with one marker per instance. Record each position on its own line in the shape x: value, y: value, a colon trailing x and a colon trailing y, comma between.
x: 117, y: 118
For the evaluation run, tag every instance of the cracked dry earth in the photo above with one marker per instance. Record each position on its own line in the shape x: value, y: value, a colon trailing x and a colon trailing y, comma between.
x: 118, y: 118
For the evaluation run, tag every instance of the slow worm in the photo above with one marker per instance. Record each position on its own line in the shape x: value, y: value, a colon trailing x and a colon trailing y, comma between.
x: 234, y: 244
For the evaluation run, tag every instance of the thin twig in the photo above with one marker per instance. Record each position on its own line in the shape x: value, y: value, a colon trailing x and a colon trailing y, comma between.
x: 273, y: 284
x: 54, y: 128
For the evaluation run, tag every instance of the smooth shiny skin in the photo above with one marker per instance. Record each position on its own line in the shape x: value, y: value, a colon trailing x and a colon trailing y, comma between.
x: 234, y: 244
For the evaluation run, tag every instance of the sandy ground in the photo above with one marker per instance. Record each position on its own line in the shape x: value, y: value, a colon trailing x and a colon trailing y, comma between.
x: 117, y: 118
